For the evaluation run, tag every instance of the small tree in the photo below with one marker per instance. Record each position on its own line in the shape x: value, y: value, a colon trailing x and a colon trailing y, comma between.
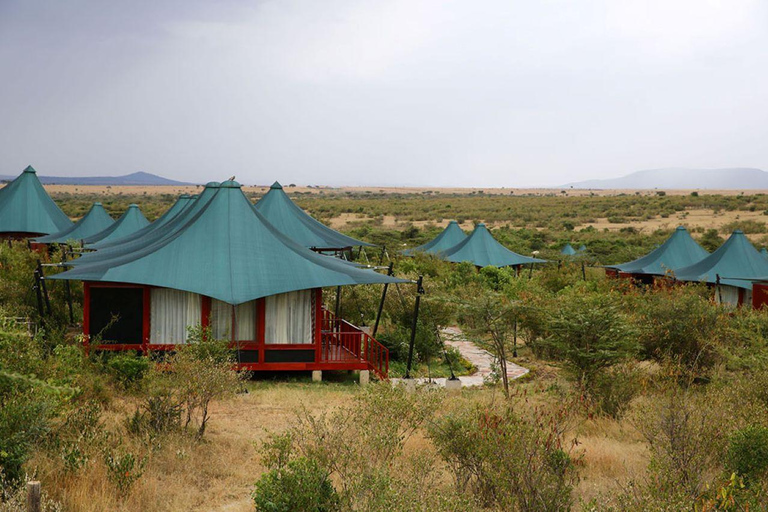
x: 589, y: 332
x: 202, y: 371
x: 491, y: 315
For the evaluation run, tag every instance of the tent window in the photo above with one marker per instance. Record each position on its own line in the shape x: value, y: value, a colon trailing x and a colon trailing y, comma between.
x: 244, y: 320
x: 727, y: 295
x: 116, y: 315
x: 288, y: 318
x: 221, y: 320
x: 171, y: 313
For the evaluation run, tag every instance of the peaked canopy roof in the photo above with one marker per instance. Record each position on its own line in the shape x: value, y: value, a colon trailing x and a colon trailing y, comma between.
x: 129, y: 222
x: 481, y: 249
x: 131, y: 243
x: 449, y: 237
x: 25, y: 207
x: 226, y: 250
x: 764, y: 252
x: 568, y: 250
x: 582, y: 248
x: 97, y: 219
x: 679, y: 250
x: 181, y: 203
x: 736, y: 262
x: 299, y: 226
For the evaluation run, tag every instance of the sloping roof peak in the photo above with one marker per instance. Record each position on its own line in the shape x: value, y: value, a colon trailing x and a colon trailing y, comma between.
x: 276, y: 185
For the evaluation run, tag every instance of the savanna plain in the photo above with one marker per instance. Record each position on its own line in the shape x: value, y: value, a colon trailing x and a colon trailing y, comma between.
x: 638, y: 398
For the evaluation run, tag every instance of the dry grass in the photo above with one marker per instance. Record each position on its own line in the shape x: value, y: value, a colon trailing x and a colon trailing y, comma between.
x: 218, y: 474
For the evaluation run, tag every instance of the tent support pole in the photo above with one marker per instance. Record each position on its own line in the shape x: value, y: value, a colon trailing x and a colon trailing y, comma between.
x: 383, y: 251
x: 68, y: 289
x: 381, y: 303
x: 419, y: 292
x: 38, y: 294
x: 44, y: 287
x: 337, y: 309
x: 583, y: 271
x: 530, y: 271
x: 719, y: 288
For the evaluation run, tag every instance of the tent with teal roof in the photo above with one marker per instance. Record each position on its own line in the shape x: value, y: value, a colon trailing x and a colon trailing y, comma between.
x: 482, y: 250
x: 129, y: 222
x: 568, y: 250
x: 299, y: 226
x: 133, y: 242
x: 679, y: 250
x: 178, y: 207
x: 96, y: 220
x: 449, y: 237
x: 764, y: 252
x: 229, y: 251
x: 27, y: 210
x: 732, y: 267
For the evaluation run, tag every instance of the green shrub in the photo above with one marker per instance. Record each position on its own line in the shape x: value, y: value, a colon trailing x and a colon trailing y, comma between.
x: 128, y: 369
x: 124, y: 469
x: 614, y: 389
x: 300, y: 485
x: 748, y: 452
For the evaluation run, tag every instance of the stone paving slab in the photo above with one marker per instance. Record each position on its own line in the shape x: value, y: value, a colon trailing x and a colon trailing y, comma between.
x: 482, y: 359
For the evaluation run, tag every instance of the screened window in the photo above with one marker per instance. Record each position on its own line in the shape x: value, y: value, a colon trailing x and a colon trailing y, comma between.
x: 172, y: 312
x: 116, y: 315
x: 288, y: 318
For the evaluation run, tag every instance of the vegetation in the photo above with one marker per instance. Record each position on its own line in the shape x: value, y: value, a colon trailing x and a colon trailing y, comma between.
x: 639, y: 398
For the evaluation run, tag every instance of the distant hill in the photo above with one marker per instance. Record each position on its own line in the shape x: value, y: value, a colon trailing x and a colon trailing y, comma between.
x: 681, y: 178
x: 136, y: 178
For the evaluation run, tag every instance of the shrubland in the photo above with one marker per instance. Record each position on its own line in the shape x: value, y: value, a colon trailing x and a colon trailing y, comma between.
x: 639, y: 397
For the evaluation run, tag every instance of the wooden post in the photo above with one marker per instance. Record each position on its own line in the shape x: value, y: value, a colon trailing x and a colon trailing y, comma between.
x: 33, y: 496
x: 337, y: 310
x: 381, y: 304
x: 38, y: 294
x: 419, y: 292
x: 583, y: 271
x: 383, y: 251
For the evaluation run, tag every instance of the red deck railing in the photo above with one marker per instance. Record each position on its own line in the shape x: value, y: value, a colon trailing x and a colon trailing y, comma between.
x: 342, y: 341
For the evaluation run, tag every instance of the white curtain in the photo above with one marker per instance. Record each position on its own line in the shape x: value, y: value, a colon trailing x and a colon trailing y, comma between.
x: 727, y: 295
x: 171, y: 313
x: 221, y: 320
x: 245, y: 321
x: 288, y: 318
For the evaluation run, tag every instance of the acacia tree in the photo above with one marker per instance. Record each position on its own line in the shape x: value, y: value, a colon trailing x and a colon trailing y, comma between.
x: 490, y: 315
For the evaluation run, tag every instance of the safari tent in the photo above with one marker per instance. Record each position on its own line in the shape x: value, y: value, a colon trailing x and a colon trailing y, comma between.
x: 129, y: 222
x: 568, y: 250
x: 729, y: 270
x: 178, y: 207
x: 299, y: 226
x: 482, y: 250
x: 26, y: 209
x: 97, y: 219
x: 678, y: 251
x: 449, y: 237
x: 226, y: 267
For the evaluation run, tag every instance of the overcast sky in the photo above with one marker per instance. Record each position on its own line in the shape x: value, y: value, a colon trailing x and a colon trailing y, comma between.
x: 382, y: 92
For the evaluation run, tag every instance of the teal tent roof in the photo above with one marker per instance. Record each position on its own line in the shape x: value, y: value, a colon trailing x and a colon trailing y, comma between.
x: 679, y: 250
x: 130, y: 244
x: 97, y: 219
x: 299, y: 226
x: 568, y: 250
x: 227, y: 250
x: 449, y: 237
x: 764, y: 252
x: 736, y: 261
x: 483, y: 250
x: 181, y: 203
x: 25, y: 207
x: 582, y: 248
x: 129, y: 222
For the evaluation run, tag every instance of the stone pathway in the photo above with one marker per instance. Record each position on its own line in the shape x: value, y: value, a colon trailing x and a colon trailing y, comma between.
x: 482, y: 359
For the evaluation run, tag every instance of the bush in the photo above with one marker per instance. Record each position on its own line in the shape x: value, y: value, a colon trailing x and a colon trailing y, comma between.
x: 299, y: 485
x: 748, y: 452
x: 614, y: 389
x: 128, y: 369
x: 507, y: 461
